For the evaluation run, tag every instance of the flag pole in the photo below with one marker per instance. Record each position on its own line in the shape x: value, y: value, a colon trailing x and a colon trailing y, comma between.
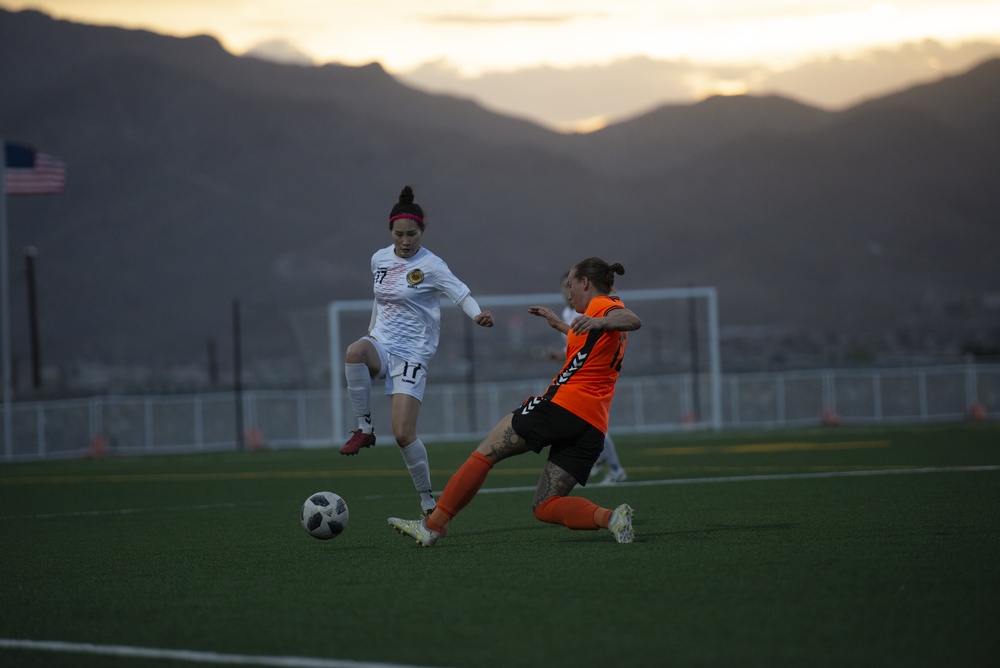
x: 8, y: 430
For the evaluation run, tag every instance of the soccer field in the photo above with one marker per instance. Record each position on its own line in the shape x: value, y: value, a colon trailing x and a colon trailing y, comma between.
x: 825, y: 547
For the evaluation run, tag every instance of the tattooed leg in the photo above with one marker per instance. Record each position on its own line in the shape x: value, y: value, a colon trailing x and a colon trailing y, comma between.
x: 555, y: 481
x: 502, y: 442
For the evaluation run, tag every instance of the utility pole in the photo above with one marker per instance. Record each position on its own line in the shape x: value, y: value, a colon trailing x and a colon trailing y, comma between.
x: 213, y: 363
x: 36, y: 357
x: 238, y: 373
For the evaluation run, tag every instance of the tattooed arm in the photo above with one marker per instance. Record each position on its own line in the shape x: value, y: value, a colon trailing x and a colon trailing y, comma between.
x: 616, y: 320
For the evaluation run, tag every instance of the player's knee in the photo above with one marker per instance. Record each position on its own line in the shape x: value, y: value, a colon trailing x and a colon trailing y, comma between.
x: 404, y: 436
x: 357, y: 352
x: 363, y: 352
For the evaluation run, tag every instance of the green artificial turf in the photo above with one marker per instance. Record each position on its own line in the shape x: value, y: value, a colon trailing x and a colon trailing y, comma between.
x: 824, y: 547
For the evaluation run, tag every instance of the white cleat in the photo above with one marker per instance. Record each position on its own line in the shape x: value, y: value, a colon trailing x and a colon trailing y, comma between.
x: 416, y: 529
x: 620, y: 523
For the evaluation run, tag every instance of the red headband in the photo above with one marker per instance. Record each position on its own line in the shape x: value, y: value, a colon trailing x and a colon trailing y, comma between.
x: 411, y: 216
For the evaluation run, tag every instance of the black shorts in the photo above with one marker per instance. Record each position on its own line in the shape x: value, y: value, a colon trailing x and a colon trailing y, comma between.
x: 576, y: 444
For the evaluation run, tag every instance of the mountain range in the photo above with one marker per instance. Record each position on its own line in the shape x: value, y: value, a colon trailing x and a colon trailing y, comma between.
x: 196, y: 177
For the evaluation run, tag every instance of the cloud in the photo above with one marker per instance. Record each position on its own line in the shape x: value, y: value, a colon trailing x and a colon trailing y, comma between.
x: 280, y: 51
x: 587, y: 97
x: 513, y: 19
x: 563, y: 98
x: 837, y: 83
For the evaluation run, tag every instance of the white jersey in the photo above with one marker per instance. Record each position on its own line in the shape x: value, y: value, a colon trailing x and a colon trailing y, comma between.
x: 569, y: 314
x: 408, y: 301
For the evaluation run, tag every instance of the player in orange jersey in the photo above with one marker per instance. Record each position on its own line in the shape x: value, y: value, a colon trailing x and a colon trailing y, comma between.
x: 609, y: 455
x: 571, y: 418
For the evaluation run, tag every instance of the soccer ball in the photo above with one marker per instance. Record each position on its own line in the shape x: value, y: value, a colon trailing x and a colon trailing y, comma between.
x: 324, y: 515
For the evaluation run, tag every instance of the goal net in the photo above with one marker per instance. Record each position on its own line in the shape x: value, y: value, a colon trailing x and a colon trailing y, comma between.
x: 670, y: 379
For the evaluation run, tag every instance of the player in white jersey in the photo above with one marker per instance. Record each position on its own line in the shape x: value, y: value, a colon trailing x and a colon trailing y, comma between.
x: 609, y: 456
x: 403, y: 337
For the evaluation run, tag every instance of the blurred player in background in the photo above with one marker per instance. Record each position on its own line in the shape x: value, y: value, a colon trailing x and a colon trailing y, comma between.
x: 402, y: 338
x: 570, y: 419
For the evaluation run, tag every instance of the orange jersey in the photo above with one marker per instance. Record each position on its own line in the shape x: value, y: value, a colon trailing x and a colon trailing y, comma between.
x: 586, y: 383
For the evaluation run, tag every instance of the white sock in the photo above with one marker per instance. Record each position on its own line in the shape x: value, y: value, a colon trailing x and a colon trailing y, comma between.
x: 359, y: 389
x: 610, y: 454
x: 415, y: 456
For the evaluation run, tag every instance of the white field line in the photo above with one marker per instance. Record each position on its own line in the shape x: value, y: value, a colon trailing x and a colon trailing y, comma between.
x: 765, y: 477
x: 189, y: 655
x: 132, y: 511
x: 506, y: 490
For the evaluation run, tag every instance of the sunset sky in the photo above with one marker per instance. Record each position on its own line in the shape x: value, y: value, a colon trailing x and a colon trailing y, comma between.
x: 472, y: 37
x: 478, y: 35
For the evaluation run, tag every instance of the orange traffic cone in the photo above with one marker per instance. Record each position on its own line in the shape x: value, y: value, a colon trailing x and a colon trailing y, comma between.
x: 976, y: 412
x: 255, y: 439
x: 99, y: 446
x: 830, y: 418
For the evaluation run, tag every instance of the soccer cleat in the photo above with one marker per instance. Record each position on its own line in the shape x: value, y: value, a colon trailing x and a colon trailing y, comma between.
x: 596, y: 469
x: 427, y: 503
x: 614, y: 477
x: 620, y: 523
x: 415, y: 529
x: 358, y: 440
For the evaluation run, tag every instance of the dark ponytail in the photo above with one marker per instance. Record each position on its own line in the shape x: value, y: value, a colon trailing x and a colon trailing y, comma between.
x: 599, y: 272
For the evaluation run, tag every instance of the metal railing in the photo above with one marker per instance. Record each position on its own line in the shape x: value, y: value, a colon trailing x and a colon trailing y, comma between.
x: 302, y: 418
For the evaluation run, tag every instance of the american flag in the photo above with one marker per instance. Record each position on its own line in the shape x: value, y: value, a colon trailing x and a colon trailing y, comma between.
x: 30, y: 172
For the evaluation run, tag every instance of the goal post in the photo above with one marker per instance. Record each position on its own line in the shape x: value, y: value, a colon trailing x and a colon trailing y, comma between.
x: 671, y: 378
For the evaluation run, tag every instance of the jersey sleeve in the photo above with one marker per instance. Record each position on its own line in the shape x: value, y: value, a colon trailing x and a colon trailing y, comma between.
x: 449, y: 284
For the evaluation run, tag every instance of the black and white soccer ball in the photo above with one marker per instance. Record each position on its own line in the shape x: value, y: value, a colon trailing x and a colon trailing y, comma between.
x: 324, y: 515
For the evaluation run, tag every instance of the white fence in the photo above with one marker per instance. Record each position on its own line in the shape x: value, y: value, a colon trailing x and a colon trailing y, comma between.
x: 302, y: 418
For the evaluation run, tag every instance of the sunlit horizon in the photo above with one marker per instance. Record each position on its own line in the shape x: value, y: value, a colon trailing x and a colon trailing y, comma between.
x: 608, y: 60
x: 515, y: 34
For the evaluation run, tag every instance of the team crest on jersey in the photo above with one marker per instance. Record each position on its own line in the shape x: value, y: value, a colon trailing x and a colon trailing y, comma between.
x: 415, y: 277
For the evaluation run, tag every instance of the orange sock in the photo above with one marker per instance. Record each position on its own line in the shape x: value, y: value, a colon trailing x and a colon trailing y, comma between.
x: 572, y: 512
x: 460, y: 490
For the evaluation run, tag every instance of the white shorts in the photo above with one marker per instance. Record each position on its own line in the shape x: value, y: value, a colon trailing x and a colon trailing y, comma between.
x: 401, y: 376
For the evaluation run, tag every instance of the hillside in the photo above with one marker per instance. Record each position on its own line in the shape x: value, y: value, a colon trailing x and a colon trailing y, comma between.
x: 197, y: 177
